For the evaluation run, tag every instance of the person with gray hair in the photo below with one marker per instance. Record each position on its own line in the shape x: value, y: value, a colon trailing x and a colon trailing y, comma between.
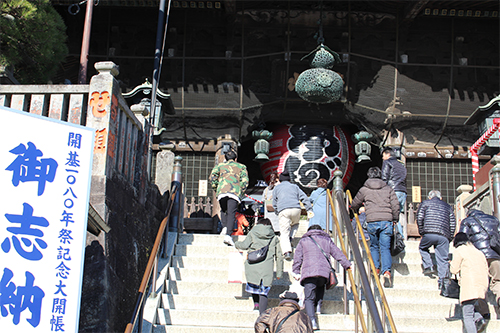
x: 436, y: 224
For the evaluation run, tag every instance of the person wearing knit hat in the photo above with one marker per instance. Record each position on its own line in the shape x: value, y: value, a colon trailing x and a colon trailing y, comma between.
x: 471, y: 267
x: 286, y: 203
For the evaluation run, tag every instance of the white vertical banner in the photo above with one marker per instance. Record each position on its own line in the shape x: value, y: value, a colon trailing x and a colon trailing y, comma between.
x: 202, y: 187
x: 45, y: 173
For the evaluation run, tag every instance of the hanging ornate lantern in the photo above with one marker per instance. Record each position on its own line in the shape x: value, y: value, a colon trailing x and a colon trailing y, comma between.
x: 261, y: 146
x: 320, y: 84
x: 362, y: 146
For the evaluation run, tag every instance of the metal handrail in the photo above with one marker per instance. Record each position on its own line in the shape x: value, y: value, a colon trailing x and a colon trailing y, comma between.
x: 352, y: 239
x: 373, y: 269
x: 152, y: 264
x: 349, y: 271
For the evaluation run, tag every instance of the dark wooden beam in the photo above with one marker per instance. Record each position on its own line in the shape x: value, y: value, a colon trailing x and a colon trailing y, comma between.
x: 413, y: 9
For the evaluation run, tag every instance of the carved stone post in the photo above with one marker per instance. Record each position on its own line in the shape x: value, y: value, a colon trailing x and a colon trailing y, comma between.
x: 102, y: 115
x: 164, y: 167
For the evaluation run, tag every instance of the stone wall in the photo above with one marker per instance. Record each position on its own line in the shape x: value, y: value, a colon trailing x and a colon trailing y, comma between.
x: 115, y: 261
x: 126, y: 199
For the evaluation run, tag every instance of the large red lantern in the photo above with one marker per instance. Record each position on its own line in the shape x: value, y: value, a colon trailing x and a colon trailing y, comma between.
x: 310, y: 152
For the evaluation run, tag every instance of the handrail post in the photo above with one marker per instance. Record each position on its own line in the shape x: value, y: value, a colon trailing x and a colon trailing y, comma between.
x: 177, y: 205
x: 338, y: 185
x: 153, y: 276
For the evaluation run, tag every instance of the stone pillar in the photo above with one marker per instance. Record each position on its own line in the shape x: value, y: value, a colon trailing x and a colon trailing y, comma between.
x: 102, y: 115
x: 164, y: 168
x: 177, y: 215
x: 223, y: 143
x: 495, y: 186
x: 460, y: 211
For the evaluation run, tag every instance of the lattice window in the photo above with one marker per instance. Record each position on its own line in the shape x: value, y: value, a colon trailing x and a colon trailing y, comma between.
x: 442, y: 175
x: 195, y: 167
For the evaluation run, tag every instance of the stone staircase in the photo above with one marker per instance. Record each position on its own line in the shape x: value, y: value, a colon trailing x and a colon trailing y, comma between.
x: 198, y: 299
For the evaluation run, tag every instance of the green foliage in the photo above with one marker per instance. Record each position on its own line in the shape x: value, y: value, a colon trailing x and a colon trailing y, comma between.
x: 32, y: 39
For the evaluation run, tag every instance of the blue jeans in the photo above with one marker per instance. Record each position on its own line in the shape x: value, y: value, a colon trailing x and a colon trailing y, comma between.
x: 380, y: 244
x: 402, y: 200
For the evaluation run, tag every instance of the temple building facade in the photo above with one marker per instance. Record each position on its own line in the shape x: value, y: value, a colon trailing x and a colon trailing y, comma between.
x: 411, y: 73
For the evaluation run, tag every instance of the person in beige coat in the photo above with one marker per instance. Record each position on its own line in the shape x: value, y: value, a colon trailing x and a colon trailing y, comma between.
x: 472, y: 269
x: 284, y: 318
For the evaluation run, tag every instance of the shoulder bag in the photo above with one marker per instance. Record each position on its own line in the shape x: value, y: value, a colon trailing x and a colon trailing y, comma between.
x: 332, y: 281
x: 494, y: 237
x: 268, y: 202
x: 258, y: 255
x: 397, y: 242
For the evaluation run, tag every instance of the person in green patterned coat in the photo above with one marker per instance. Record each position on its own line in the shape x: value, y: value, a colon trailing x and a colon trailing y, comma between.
x: 229, y: 180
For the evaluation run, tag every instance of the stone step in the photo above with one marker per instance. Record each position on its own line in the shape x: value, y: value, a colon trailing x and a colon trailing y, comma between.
x: 240, y: 319
x: 232, y: 289
x: 330, y: 306
x: 206, y: 329
x: 221, y: 250
x: 412, y: 268
x: 217, y: 275
x: 246, y: 319
x: 217, y: 240
x: 228, y: 303
x: 203, y: 329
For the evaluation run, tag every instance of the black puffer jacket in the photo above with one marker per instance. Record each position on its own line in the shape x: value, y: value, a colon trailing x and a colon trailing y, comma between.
x: 394, y: 174
x: 477, y: 235
x: 381, y: 202
x: 434, y: 216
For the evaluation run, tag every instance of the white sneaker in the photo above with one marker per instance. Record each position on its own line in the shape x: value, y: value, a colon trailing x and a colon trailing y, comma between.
x: 228, y: 240
x: 224, y: 231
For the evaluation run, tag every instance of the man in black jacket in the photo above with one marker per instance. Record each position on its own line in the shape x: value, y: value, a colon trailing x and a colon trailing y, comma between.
x: 394, y: 174
x: 436, y: 224
x: 479, y: 227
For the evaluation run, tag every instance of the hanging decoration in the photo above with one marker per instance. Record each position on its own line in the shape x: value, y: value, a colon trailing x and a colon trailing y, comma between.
x: 310, y: 152
x: 320, y: 84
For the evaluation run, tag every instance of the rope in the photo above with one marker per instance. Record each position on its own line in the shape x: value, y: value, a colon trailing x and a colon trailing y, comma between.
x: 246, y: 195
